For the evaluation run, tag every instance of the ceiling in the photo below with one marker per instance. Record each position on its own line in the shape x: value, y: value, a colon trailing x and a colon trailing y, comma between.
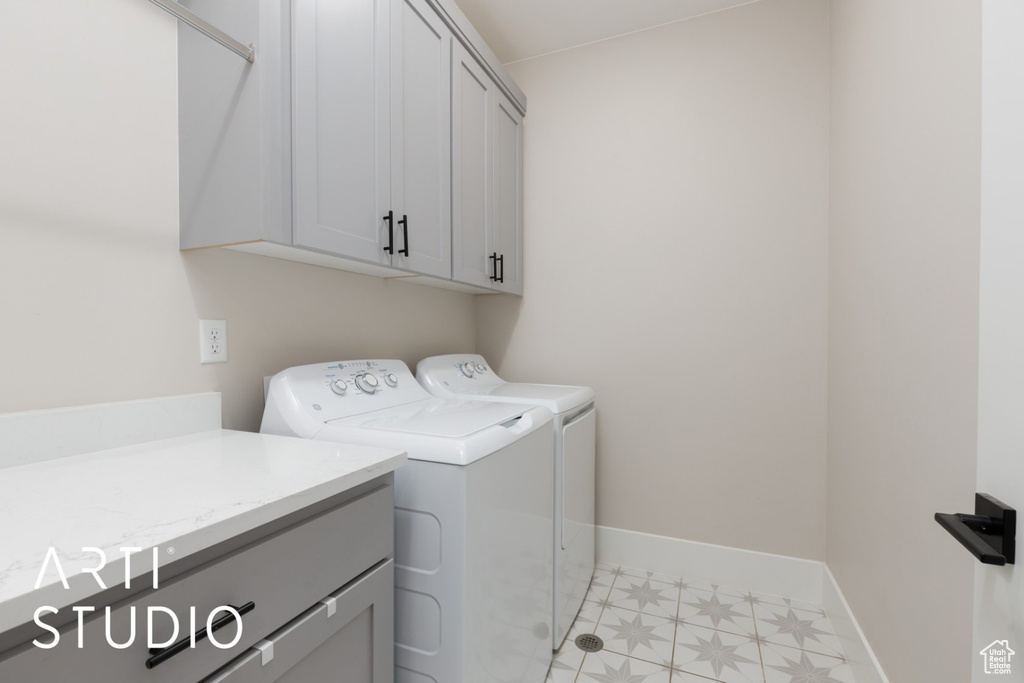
x: 520, y: 29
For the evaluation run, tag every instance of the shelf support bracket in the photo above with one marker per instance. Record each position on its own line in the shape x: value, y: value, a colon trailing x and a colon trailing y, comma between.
x: 247, y: 52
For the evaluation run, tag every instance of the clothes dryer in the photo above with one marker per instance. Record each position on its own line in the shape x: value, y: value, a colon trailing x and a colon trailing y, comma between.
x: 470, y: 377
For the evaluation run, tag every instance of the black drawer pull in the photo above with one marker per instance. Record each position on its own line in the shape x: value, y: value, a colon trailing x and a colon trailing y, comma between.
x: 405, y: 231
x: 161, y: 655
x: 390, y: 218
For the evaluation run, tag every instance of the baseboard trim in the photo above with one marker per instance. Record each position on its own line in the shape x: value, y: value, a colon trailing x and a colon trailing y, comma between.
x: 755, y: 571
x: 865, y: 665
x: 791, y: 577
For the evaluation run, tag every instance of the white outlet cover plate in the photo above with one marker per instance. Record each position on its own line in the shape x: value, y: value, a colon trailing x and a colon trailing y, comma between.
x: 213, y: 341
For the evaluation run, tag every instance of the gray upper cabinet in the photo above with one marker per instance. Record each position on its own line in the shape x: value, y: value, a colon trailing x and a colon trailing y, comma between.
x: 487, y: 155
x: 421, y: 138
x: 336, y: 146
x: 508, y: 194
x: 473, y: 100
x: 342, y: 141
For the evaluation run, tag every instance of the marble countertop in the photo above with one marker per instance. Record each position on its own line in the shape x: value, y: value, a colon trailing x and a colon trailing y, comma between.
x: 180, y: 495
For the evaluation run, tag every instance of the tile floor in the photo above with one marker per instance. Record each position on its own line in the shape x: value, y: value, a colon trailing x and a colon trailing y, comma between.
x: 663, y: 629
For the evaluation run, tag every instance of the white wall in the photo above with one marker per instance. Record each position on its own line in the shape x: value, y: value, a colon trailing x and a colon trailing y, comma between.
x: 96, y: 302
x: 675, y: 218
x: 903, y: 324
x: 999, y: 591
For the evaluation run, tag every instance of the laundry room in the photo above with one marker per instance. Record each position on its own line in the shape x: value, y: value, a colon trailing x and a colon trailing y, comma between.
x: 475, y: 341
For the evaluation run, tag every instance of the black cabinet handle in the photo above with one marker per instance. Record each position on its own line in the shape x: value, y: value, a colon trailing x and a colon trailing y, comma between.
x: 405, y: 230
x: 989, y: 534
x: 501, y: 260
x: 390, y: 218
x: 161, y: 655
x: 494, y: 266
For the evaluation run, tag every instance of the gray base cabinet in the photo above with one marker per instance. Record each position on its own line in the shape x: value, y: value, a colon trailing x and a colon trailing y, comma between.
x: 347, y: 639
x: 323, y: 601
x: 335, y: 147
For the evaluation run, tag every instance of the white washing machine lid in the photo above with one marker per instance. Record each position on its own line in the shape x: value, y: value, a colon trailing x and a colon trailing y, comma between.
x: 461, y: 436
x: 444, y: 418
x: 555, y: 397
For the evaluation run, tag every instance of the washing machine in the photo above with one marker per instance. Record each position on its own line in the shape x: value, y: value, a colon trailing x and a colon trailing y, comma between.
x: 469, y: 376
x: 473, y: 514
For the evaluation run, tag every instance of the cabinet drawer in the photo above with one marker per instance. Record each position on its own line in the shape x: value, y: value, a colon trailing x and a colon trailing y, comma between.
x: 283, y: 575
x: 354, y: 644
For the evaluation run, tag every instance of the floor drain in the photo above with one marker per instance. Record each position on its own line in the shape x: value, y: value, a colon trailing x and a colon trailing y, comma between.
x: 588, y: 642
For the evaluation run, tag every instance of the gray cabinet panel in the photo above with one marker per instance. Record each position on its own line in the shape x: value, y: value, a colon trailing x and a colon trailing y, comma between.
x: 341, y: 153
x: 421, y: 137
x: 508, y: 194
x: 473, y: 98
x: 354, y: 645
x: 283, y: 575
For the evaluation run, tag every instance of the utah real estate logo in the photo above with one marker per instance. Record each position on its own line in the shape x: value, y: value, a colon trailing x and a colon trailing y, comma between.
x: 997, y: 657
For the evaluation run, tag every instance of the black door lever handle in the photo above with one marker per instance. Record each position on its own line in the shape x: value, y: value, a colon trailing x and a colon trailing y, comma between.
x: 989, y: 534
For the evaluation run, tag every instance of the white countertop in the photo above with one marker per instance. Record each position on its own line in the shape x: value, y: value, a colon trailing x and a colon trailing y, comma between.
x: 187, y: 493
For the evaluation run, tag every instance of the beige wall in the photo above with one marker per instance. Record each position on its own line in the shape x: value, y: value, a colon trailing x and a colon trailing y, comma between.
x: 96, y: 302
x: 903, y: 324
x: 675, y: 218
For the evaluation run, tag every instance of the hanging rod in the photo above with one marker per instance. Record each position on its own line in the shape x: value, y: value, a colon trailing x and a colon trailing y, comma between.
x: 205, y: 27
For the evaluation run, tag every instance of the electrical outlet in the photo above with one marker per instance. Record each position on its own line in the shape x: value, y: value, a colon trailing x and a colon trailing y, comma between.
x: 213, y: 341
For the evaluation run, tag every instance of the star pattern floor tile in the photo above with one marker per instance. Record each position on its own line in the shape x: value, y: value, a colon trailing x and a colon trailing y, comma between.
x: 801, y: 629
x: 637, y: 635
x: 609, y: 667
x: 717, y: 655
x: 788, y: 665
x: 645, y: 595
x: 719, y: 611
x: 659, y: 628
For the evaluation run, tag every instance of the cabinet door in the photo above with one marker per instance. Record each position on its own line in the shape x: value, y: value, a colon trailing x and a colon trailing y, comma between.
x: 473, y: 98
x: 508, y: 195
x: 421, y: 138
x: 353, y: 642
x: 341, y: 139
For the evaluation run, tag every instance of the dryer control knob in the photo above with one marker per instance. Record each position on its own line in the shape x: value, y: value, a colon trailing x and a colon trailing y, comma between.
x: 339, y: 386
x: 467, y: 369
x: 391, y: 379
x: 367, y: 383
x: 480, y: 367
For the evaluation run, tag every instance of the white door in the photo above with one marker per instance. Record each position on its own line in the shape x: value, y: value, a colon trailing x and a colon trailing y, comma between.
x: 421, y: 138
x: 341, y: 141
x: 473, y: 97
x: 999, y: 591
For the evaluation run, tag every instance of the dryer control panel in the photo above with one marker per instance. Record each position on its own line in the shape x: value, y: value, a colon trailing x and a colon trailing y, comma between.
x: 458, y: 373
x: 329, y: 391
